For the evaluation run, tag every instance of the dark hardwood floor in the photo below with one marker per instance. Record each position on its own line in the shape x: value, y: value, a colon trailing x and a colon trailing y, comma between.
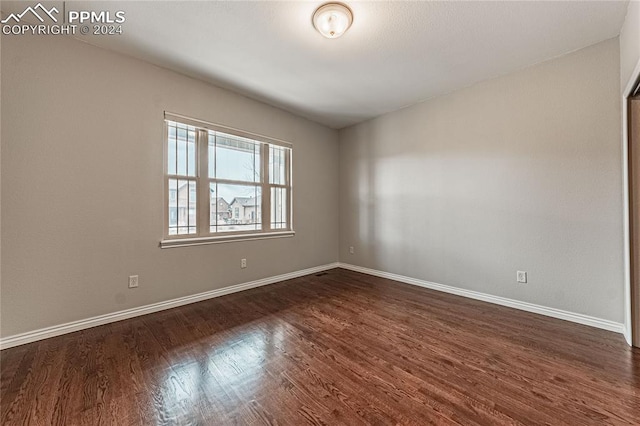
x: 339, y: 348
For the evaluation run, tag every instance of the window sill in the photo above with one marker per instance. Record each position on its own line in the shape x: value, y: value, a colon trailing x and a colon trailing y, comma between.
x: 187, y: 242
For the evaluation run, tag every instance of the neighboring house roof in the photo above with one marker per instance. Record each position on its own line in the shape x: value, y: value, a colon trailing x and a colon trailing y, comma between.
x: 246, y: 201
x: 220, y: 199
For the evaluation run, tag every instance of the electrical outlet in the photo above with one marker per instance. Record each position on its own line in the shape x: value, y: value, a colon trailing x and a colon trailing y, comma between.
x: 243, y: 263
x: 521, y: 277
x: 133, y: 281
x: 351, y: 250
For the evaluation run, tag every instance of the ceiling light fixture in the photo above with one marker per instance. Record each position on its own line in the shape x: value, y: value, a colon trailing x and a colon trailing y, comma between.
x: 332, y: 19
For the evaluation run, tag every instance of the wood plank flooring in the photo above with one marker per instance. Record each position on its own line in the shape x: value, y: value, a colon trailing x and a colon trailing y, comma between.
x: 338, y: 348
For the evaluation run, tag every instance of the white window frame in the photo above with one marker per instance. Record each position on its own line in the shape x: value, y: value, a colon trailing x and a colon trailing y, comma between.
x: 202, y: 179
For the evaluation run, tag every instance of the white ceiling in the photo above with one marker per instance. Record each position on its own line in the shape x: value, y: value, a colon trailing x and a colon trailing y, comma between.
x: 395, y: 54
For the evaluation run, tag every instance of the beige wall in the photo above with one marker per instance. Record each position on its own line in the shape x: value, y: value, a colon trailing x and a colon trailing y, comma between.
x: 522, y: 172
x: 82, y: 185
x: 629, y: 42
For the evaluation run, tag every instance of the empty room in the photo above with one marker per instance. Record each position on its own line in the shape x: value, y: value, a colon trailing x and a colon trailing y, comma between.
x: 323, y: 213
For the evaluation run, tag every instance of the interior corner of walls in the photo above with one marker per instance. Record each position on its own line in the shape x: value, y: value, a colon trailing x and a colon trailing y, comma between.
x: 627, y: 334
x: 629, y: 42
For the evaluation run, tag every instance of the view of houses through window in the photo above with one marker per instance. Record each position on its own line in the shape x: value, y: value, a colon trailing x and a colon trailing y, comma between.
x: 237, y: 185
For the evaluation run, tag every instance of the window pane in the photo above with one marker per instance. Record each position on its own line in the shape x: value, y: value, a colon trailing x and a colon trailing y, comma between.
x: 237, y: 208
x: 236, y: 158
x: 278, y: 208
x: 219, y: 210
x: 182, y: 163
x: 182, y: 207
x: 191, y: 153
x: 181, y: 149
x: 173, y: 207
x: 277, y: 165
x: 172, y: 148
x: 212, y: 154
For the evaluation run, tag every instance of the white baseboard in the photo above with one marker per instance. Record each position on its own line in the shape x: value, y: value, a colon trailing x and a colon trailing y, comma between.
x: 70, y: 327
x: 524, y: 306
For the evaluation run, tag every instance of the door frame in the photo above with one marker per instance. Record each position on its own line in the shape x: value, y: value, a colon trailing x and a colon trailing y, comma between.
x: 633, y: 82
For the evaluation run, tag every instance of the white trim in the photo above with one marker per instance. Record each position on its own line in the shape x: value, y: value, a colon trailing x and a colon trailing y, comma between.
x: 70, y: 327
x: 523, y: 306
x: 196, y: 122
x: 633, y: 79
x: 185, y: 242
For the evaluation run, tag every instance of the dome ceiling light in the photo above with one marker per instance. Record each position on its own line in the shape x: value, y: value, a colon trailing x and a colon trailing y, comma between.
x: 332, y: 19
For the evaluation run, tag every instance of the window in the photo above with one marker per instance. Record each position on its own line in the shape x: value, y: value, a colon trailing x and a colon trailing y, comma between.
x: 223, y: 184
